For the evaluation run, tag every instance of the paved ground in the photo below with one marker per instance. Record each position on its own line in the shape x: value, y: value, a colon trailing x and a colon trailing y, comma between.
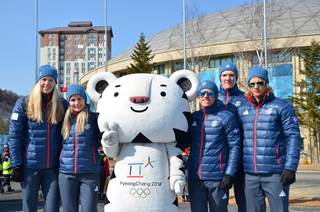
x: 304, y: 195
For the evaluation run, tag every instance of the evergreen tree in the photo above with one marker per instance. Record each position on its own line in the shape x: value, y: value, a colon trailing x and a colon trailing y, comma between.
x: 142, y: 57
x: 3, y: 127
x: 308, y: 101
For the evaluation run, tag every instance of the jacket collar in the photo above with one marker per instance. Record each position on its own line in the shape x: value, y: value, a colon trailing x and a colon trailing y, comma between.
x: 267, y: 98
x: 217, y: 105
x: 232, y: 92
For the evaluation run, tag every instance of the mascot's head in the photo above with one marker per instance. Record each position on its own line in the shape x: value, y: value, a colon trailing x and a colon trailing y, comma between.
x: 147, y: 107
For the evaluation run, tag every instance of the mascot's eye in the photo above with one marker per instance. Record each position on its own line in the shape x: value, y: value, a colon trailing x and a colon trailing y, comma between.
x: 163, y: 93
x: 116, y: 94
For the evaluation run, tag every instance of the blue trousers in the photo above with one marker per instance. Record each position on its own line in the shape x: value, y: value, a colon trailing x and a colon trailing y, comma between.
x: 81, y: 188
x: 257, y: 187
x: 203, y: 192
x: 48, y: 180
x: 238, y: 188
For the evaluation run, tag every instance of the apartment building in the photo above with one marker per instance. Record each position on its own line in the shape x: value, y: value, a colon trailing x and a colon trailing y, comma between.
x: 75, y: 50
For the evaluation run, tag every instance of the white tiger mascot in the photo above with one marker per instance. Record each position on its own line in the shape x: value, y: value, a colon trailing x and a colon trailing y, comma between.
x: 143, y: 118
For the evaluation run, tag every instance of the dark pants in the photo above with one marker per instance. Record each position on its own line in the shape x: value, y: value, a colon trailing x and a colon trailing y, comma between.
x: 257, y: 187
x: 81, y: 188
x: 48, y: 180
x: 6, y: 182
x: 238, y: 188
x: 203, y: 192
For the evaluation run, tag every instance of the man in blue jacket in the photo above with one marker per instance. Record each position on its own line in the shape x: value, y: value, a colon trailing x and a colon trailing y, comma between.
x: 233, y: 97
x: 271, y: 145
x: 214, y: 152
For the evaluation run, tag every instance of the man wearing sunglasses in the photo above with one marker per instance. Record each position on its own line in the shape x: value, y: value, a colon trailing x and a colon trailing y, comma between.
x: 233, y: 97
x: 271, y: 145
x: 214, y: 152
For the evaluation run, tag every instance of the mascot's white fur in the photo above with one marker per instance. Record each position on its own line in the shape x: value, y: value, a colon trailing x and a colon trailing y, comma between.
x: 143, y: 118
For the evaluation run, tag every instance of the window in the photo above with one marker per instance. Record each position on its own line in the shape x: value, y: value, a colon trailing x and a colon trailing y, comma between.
x: 75, y: 77
x: 160, y: 69
x: 76, y: 36
x: 91, y: 43
x: 68, y: 70
x: 68, y: 43
x: 84, y: 36
x: 68, y: 36
x: 177, y: 66
x: 274, y: 58
x: 217, y: 62
x: 92, y: 36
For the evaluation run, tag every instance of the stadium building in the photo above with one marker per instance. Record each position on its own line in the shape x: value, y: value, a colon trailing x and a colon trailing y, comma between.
x: 236, y: 35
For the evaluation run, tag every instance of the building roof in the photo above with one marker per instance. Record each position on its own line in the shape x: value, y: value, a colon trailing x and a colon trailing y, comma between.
x: 76, y: 27
x: 285, y: 18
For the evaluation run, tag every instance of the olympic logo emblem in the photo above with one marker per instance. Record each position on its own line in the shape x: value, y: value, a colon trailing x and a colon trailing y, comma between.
x: 139, y: 192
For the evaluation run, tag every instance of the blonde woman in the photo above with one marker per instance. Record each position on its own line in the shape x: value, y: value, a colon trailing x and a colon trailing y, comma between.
x: 35, y: 141
x: 79, y: 160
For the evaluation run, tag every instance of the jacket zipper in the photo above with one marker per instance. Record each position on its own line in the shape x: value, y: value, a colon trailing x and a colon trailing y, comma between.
x: 220, y: 159
x: 201, y: 144
x: 75, y: 150
x: 48, y: 145
x: 94, y: 155
x: 255, y: 140
x: 277, y: 154
x: 48, y: 134
x: 227, y: 100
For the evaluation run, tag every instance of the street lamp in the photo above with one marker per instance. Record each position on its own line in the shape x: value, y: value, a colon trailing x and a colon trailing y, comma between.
x: 106, y: 36
x: 184, y: 35
x: 36, y: 39
x: 265, y: 34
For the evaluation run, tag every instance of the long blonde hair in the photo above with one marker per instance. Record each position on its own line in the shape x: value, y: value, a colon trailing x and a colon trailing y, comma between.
x: 82, y: 119
x: 55, y: 110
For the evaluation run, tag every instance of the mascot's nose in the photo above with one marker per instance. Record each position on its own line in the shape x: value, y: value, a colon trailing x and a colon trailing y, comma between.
x: 139, y: 99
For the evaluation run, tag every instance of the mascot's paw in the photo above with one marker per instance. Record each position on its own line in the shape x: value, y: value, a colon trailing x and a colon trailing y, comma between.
x: 110, y: 136
x: 177, y: 183
x: 178, y: 186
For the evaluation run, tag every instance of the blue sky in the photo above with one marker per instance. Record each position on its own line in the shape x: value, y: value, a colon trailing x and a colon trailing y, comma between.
x: 128, y: 18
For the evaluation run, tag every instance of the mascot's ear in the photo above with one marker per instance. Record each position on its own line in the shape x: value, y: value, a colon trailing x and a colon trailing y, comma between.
x: 97, y: 83
x: 188, y: 81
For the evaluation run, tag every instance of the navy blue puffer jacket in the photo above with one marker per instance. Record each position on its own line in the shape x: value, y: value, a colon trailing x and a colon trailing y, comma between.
x: 80, y: 151
x: 271, y: 136
x: 215, y: 144
x: 34, y: 145
x: 232, y: 99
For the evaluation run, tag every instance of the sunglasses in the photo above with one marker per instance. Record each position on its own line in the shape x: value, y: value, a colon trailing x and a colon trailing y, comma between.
x: 203, y: 93
x: 260, y: 84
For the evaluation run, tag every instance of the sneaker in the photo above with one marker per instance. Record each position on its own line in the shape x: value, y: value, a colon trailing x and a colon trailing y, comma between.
x: 2, y: 190
x: 10, y: 190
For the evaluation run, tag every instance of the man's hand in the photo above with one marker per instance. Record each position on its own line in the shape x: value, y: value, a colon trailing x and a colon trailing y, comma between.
x: 288, y: 177
x: 226, y: 182
x: 17, y: 174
